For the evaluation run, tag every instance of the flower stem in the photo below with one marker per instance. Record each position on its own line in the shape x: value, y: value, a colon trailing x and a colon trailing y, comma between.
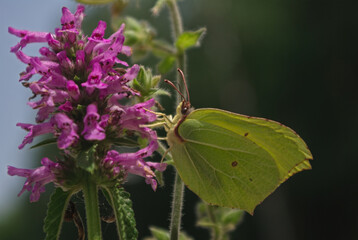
x: 90, y: 192
x: 176, y: 18
x: 159, y: 46
x: 178, y: 190
x: 177, y: 204
x: 177, y: 26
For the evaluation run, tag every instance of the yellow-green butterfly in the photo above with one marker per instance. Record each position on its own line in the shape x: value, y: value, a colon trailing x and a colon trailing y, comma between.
x: 232, y: 160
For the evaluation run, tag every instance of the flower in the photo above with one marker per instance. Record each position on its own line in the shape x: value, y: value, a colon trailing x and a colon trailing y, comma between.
x: 92, y: 130
x: 133, y: 163
x: 34, y: 130
x: 36, y: 178
x: 68, y: 130
x: 81, y: 79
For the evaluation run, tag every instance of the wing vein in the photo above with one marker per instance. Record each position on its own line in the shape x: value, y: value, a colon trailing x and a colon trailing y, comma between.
x: 194, y: 166
x: 218, y: 147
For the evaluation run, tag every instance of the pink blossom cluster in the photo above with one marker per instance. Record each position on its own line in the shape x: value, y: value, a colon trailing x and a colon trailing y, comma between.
x: 79, y: 97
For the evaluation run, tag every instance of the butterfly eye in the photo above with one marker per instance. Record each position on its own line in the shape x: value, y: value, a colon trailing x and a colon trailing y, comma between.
x: 184, y: 110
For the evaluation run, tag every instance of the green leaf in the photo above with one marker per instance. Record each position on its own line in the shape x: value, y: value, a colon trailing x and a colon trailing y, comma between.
x: 163, y: 234
x: 205, y: 223
x: 219, y: 220
x: 55, y: 213
x: 232, y: 216
x: 161, y: 92
x: 233, y: 160
x: 147, y: 85
x: 44, y: 143
x: 166, y: 64
x: 159, y: 233
x: 190, y: 39
x: 87, y: 158
x: 155, y: 80
x: 122, y: 207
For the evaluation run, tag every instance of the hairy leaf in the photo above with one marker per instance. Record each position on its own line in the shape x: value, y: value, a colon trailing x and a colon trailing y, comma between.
x: 55, y: 213
x: 122, y: 208
x: 190, y: 39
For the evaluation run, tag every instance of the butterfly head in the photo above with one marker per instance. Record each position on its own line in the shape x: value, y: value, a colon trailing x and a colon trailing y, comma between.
x: 184, y: 107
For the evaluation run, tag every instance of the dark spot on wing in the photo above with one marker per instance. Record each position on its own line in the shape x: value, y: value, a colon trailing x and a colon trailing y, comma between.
x: 246, y: 134
x: 234, y: 163
x: 250, y: 179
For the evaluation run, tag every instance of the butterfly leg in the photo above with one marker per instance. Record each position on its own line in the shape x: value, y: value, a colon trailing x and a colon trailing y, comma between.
x: 165, y: 154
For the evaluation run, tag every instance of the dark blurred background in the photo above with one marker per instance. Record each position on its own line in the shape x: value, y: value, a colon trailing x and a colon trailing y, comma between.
x: 291, y: 61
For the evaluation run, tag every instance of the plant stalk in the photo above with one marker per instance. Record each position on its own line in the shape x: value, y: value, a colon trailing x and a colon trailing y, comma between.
x: 177, y: 25
x: 177, y: 205
x: 90, y: 192
x: 178, y: 190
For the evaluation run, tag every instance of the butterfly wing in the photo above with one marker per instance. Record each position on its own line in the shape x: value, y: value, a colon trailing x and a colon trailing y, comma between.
x: 236, y: 161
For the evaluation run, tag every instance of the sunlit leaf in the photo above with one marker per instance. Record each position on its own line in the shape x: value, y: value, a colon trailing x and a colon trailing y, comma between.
x: 190, y: 39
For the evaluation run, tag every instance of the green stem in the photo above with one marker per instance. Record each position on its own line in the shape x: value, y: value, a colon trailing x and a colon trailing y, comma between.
x: 90, y: 192
x: 177, y: 204
x: 167, y: 49
x: 178, y: 191
x: 177, y: 25
x: 176, y: 18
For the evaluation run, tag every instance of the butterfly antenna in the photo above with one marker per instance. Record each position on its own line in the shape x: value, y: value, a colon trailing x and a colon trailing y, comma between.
x: 176, y: 89
x: 186, y: 86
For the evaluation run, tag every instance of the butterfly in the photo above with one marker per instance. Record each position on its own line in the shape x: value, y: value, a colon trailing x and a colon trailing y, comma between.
x: 229, y: 159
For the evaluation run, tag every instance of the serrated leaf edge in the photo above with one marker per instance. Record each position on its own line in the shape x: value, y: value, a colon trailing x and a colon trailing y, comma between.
x: 49, y: 223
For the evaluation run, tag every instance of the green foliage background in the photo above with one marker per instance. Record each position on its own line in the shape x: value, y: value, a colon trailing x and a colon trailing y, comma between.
x: 290, y: 61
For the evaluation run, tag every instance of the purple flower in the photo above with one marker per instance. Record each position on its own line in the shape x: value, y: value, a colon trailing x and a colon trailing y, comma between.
x: 34, y: 131
x: 73, y: 89
x: 36, y: 178
x: 79, y: 83
x: 92, y: 129
x: 27, y: 37
x: 68, y: 130
x: 133, y: 163
x: 66, y: 107
x: 94, y: 79
x: 137, y: 115
x: 133, y: 118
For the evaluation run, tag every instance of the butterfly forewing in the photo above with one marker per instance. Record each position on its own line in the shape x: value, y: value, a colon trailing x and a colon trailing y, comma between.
x: 236, y: 161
